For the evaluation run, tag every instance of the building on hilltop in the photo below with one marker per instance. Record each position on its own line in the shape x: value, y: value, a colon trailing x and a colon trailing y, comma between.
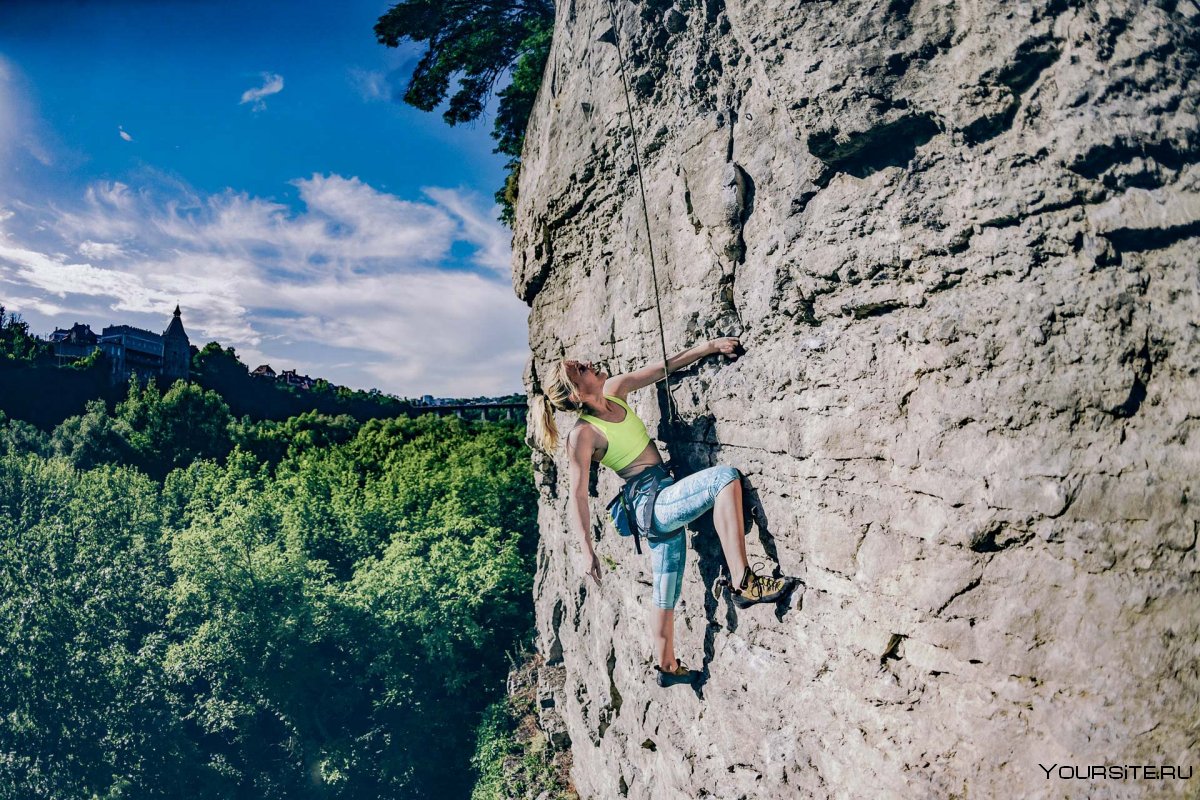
x: 73, y: 343
x: 290, y: 377
x: 130, y: 350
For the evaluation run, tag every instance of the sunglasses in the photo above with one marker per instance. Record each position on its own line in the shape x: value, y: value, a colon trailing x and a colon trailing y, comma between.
x: 581, y: 367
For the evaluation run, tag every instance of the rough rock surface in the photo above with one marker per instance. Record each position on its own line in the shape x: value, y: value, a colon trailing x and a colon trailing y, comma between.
x: 958, y: 240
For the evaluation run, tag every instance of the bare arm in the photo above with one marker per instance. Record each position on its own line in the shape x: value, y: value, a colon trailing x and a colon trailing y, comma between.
x: 581, y: 441
x: 622, y: 385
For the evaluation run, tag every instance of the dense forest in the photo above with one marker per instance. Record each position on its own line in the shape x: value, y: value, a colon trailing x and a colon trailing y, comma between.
x: 312, y: 607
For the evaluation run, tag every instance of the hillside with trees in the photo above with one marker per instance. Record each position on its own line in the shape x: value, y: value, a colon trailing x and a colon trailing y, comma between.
x: 309, y: 607
x: 39, y: 390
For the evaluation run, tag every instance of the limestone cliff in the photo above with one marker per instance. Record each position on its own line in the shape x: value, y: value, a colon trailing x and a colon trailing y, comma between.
x: 958, y: 240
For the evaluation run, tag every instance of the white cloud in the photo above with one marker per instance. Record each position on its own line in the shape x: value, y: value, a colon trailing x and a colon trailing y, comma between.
x: 272, y: 84
x: 37, y: 304
x: 100, y: 251
x: 354, y: 287
x: 371, y: 85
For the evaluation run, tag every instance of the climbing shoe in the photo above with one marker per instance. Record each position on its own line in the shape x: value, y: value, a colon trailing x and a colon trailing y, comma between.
x: 755, y: 588
x: 680, y: 674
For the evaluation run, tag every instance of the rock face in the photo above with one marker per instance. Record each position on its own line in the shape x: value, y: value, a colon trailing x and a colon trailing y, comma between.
x: 958, y: 240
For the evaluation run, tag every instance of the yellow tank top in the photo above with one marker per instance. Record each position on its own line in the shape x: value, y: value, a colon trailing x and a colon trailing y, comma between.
x: 626, y: 439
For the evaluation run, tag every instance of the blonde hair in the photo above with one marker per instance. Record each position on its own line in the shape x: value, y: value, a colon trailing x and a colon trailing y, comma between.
x: 555, y: 396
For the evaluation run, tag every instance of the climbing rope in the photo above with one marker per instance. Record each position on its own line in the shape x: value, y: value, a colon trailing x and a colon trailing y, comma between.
x: 637, y: 163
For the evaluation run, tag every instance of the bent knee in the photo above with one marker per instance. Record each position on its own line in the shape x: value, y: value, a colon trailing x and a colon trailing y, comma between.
x: 723, y: 476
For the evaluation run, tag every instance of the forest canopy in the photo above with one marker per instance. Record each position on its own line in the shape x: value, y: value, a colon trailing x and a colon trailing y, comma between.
x: 315, y: 607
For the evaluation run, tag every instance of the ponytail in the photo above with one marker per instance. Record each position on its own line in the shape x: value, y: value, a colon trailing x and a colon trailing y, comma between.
x: 556, y: 395
x: 544, y: 428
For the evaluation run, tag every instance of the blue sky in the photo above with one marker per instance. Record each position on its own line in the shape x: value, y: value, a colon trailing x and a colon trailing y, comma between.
x: 251, y: 161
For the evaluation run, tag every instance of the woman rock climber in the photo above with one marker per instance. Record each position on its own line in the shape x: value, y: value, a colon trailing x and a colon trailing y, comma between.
x: 607, y: 430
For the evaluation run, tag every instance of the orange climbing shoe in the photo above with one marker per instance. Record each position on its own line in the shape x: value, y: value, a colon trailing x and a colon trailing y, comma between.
x: 756, y: 588
x: 670, y: 677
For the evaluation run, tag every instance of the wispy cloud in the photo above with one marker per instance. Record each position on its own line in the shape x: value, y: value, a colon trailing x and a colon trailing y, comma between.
x: 272, y: 84
x: 371, y: 85
x: 37, y: 304
x: 353, y: 287
x: 100, y: 251
x: 19, y: 135
x: 478, y: 225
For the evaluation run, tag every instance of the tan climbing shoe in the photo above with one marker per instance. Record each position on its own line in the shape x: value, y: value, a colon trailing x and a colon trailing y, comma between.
x: 756, y: 588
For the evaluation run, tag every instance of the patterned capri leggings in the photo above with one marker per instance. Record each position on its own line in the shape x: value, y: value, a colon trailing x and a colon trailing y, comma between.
x: 676, y: 506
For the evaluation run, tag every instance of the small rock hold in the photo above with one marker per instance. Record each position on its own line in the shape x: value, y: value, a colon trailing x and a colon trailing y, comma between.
x: 813, y: 343
x: 644, y: 85
x: 674, y: 22
x: 556, y: 731
x: 1179, y: 535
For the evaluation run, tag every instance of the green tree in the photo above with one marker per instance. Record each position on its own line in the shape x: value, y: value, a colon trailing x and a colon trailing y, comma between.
x: 153, y: 431
x: 271, y: 440
x: 90, y: 361
x: 354, y: 594
x: 516, y: 104
x: 267, y: 643
x: 165, y: 431
x: 218, y: 361
x: 18, y: 437
x: 219, y: 369
x: 477, y: 43
x: 87, y: 709
x: 17, y: 343
x: 91, y: 438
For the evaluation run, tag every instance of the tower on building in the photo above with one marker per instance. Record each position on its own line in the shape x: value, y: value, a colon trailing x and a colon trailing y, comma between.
x: 177, y: 353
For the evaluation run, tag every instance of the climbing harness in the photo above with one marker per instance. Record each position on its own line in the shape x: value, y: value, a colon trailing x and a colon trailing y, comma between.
x: 637, y: 162
x: 632, y: 509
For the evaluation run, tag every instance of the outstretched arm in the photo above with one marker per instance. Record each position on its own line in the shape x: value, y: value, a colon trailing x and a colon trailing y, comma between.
x: 580, y: 443
x: 622, y: 385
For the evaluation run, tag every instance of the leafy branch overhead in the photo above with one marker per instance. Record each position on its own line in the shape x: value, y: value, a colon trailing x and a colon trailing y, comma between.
x: 476, y: 44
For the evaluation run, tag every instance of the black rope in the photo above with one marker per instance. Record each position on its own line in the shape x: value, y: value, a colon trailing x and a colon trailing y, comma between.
x: 637, y: 162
